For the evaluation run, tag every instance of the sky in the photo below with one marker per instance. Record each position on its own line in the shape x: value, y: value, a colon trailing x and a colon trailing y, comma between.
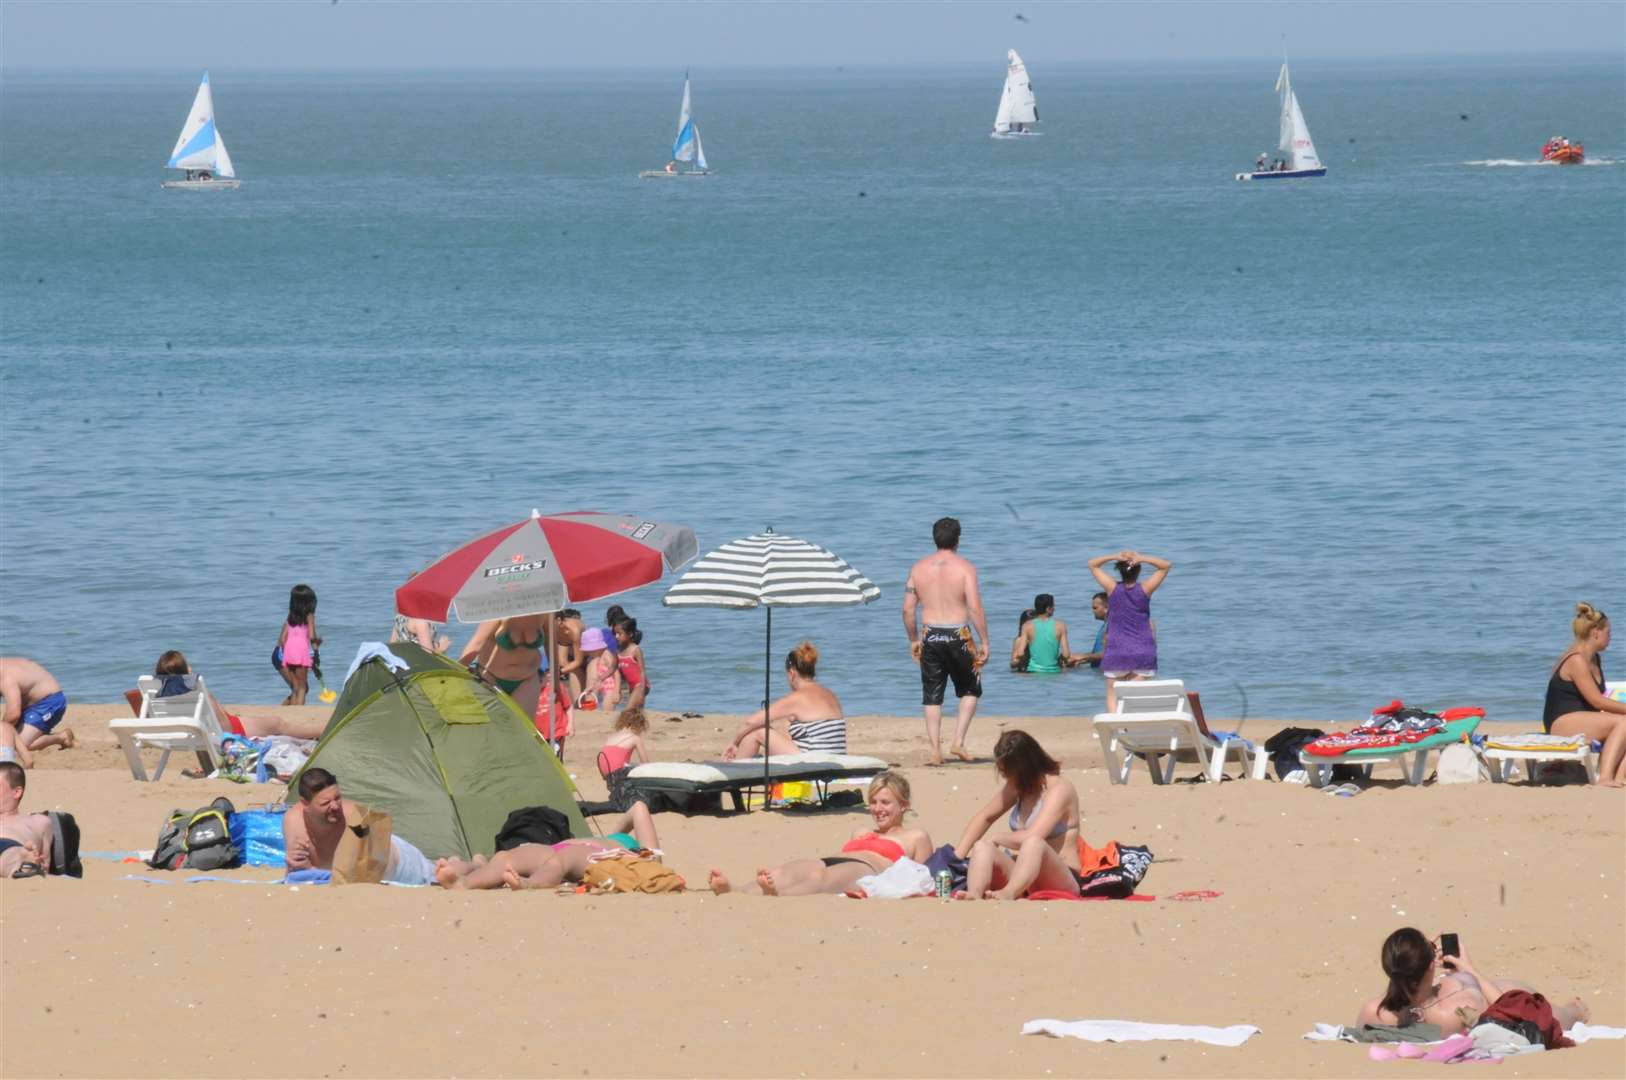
x: 349, y: 34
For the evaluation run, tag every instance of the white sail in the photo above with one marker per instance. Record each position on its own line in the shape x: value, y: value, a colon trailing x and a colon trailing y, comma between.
x: 1295, y: 144
x: 200, y: 145
x: 683, y: 146
x: 1016, y: 103
x: 700, y: 152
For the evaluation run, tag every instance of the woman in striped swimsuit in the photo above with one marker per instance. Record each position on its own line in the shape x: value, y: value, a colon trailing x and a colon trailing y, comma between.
x: 807, y: 719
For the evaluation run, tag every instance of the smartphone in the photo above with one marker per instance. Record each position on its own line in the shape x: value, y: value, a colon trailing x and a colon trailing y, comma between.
x: 1449, y: 945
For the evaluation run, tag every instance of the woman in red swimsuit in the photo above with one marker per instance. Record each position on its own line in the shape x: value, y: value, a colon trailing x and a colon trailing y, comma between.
x: 870, y: 851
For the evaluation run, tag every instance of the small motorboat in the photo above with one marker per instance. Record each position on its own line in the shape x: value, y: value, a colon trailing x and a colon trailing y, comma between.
x: 1560, y: 151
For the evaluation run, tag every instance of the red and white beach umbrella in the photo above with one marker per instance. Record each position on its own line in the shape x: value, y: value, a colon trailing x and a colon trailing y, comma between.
x: 545, y: 564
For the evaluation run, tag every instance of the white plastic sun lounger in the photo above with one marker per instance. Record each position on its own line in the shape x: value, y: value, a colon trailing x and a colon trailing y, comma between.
x: 1154, y: 720
x: 1536, y: 750
x: 178, y: 722
x: 738, y: 777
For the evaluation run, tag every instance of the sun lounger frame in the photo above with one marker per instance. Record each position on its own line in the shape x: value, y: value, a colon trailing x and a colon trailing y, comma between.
x: 1155, y: 720
x: 786, y: 769
x: 1500, y: 761
x: 178, y: 722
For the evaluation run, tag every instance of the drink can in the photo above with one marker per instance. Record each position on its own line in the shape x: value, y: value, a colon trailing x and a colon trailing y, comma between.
x: 945, y: 884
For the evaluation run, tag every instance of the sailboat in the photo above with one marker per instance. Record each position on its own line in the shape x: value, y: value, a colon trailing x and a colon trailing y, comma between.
x: 200, y: 150
x: 1017, y: 106
x: 1298, y: 157
x: 686, y: 147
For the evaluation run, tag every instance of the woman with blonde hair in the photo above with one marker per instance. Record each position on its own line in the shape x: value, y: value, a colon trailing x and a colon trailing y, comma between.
x: 807, y: 719
x: 1576, y: 702
x: 869, y: 851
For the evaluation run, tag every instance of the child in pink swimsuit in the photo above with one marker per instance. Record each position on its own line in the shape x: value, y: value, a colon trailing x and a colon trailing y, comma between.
x: 297, y: 643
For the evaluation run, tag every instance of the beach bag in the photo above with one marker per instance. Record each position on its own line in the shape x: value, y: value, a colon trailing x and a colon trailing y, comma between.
x: 64, y: 845
x: 532, y: 825
x: 630, y: 874
x: 1460, y: 764
x: 946, y: 858
x: 363, y: 854
x: 257, y: 835
x: 196, y: 839
x: 1284, y: 746
x: 1112, y: 872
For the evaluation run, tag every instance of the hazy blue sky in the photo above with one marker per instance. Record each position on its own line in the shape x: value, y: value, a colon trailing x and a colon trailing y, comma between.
x: 529, y: 33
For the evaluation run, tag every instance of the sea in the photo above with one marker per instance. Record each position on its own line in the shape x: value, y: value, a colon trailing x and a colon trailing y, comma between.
x: 1374, y: 419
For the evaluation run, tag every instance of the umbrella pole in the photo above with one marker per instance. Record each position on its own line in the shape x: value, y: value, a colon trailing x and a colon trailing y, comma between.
x: 767, y: 693
x: 553, y: 678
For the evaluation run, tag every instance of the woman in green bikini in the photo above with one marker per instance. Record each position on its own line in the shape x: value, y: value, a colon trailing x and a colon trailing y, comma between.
x: 510, y: 652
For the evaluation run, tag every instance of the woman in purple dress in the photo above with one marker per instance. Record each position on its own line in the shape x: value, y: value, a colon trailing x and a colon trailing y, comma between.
x: 1131, y: 648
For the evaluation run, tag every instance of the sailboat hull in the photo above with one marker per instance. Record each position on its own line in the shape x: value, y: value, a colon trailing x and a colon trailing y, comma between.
x: 1285, y: 174
x: 202, y: 185
x: 662, y: 174
x: 1014, y: 134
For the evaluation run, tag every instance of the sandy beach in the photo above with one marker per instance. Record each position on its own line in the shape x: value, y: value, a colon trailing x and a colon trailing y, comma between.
x: 114, y: 977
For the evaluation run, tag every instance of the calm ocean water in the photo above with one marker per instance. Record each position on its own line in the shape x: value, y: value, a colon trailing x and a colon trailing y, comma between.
x: 1374, y: 419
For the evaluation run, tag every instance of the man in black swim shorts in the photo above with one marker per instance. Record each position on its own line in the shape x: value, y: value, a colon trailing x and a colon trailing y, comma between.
x: 942, y: 603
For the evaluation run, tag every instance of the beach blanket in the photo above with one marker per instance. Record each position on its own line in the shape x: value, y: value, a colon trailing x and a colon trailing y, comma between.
x: 1430, y: 1034
x: 1536, y: 742
x: 1135, y: 1031
x: 1453, y: 731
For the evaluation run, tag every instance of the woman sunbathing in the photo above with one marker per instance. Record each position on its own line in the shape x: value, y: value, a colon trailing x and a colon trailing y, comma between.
x: 175, y: 676
x: 544, y: 866
x: 1576, y: 704
x: 1419, y: 994
x: 868, y: 852
x: 1038, y: 848
x: 806, y: 719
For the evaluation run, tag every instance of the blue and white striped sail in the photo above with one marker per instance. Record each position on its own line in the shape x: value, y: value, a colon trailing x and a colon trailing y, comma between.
x: 200, y: 145
x: 688, y: 136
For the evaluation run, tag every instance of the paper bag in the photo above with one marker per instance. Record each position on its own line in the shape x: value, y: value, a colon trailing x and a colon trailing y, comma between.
x: 363, y: 854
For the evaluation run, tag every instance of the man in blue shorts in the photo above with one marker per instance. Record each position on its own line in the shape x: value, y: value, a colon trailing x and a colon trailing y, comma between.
x: 35, y: 705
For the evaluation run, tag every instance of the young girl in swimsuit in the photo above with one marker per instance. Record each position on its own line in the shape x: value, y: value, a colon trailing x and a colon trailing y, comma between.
x: 297, y: 643
x: 1419, y: 994
x: 625, y: 746
x: 510, y: 651
x: 809, y: 709
x: 629, y: 660
x: 1038, y: 848
x: 1576, y: 704
x: 868, y: 852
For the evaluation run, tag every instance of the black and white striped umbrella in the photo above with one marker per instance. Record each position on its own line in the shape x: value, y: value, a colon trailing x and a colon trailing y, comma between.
x: 768, y: 571
x: 771, y: 570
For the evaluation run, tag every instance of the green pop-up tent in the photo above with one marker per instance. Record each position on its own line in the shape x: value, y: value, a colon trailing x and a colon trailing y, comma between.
x: 445, y: 755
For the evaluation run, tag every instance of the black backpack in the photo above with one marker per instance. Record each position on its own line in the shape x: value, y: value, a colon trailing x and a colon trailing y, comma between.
x: 533, y: 825
x: 197, y: 839
x: 65, y: 845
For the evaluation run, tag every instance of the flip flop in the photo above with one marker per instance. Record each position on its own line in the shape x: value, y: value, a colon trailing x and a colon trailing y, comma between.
x: 28, y: 870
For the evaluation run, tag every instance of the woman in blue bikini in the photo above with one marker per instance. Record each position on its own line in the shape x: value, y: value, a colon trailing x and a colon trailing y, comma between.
x: 1038, y: 848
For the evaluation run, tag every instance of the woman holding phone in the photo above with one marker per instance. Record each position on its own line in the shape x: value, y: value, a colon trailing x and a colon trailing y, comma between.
x: 1430, y: 985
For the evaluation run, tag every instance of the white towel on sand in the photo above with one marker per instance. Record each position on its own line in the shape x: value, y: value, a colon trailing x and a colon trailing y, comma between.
x: 904, y: 878
x: 1581, y: 1033
x: 1135, y: 1031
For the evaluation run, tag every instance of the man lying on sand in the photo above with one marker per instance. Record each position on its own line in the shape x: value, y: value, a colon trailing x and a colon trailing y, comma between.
x: 35, y: 705
x: 868, y: 852
x: 312, y: 827
x: 24, y: 838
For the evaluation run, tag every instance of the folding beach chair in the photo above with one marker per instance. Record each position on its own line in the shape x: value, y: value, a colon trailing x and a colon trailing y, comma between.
x: 179, y: 722
x: 1155, y: 720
